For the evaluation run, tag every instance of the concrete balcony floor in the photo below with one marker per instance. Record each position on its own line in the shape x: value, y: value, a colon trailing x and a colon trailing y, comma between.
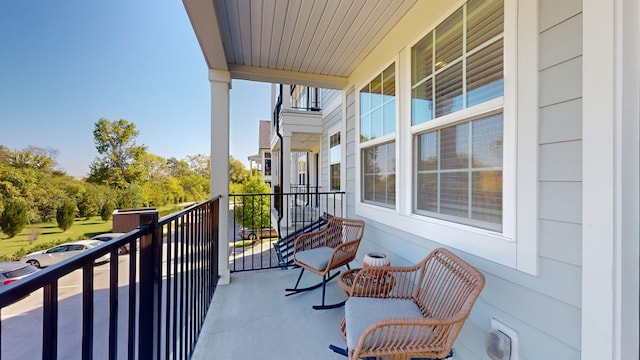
x: 251, y: 318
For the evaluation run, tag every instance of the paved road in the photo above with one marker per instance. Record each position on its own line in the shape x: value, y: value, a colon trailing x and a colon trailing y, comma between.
x: 22, y: 321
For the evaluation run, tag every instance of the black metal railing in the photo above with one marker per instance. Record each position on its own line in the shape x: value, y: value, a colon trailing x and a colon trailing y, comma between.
x: 254, y: 246
x: 154, y: 311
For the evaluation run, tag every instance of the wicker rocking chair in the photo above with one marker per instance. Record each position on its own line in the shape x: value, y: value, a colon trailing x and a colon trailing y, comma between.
x: 325, y: 250
x: 420, y: 317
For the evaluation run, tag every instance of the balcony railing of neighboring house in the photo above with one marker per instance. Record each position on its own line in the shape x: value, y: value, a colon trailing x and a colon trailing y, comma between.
x: 172, y: 275
x: 311, y: 102
x: 256, y: 247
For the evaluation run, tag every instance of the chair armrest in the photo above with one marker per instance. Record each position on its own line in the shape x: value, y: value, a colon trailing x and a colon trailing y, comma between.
x: 402, y: 282
x: 431, y: 337
x: 309, y: 241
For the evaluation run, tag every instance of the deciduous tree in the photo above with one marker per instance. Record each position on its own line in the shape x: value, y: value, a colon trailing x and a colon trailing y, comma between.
x: 238, y: 174
x: 254, y: 211
x: 116, y: 142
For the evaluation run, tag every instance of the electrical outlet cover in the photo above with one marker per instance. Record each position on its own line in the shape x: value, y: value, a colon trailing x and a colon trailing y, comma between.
x: 498, y: 345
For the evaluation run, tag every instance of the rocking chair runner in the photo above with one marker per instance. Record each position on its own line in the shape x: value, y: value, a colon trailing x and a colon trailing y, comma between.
x: 325, y: 250
x: 420, y: 317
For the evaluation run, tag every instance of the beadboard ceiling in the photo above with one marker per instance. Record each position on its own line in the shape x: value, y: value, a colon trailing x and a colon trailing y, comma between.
x: 309, y: 42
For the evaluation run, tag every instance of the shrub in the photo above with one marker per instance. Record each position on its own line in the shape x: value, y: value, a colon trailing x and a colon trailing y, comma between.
x: 107, y: 210
x: 14, y: 218
x: 65, y: 214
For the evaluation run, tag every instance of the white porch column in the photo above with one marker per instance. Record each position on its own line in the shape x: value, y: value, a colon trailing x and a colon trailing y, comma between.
x: 286, y: 177
x: 220, y: 85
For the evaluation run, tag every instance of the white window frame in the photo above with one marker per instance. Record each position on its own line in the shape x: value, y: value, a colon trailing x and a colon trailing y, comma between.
x: 333, y: 131
x: 516, y: 246
x: 384, y: 139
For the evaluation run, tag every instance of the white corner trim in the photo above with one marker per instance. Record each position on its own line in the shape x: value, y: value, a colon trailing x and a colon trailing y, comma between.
x: 598, y: 180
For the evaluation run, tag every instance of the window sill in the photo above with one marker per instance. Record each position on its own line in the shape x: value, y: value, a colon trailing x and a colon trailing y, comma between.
x: 483, y: 243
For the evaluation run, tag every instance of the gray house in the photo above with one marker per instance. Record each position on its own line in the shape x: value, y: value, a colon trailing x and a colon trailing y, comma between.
x: 504, y: 130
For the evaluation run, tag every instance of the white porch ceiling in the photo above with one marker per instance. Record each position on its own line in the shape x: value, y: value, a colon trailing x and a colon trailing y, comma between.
x: 306, y: 42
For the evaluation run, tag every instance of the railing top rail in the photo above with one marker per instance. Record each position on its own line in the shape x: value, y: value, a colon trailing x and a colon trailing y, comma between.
x: 168, y: 218
x: 292, y: 193
x: 19, y: 289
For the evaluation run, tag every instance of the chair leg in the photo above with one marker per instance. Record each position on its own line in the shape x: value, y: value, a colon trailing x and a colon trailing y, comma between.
x: 326, y: 279
x: 295, y: 290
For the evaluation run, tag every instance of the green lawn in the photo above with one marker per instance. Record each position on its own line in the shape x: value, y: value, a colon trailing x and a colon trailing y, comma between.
x: 49, y: 232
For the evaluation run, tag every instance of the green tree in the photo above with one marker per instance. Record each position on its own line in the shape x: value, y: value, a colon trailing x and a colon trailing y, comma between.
x: 32, y: 157
x: 238, y: 174
x: 89, y: 201
x: 200, y: 164
x: 130, y: 197
x: 254, y: 211
x: 106, y: 211
x: 14, y: 218
x: 65, y: 214
x: 116, y: 142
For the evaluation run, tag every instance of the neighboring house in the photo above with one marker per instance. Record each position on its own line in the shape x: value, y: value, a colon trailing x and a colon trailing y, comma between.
x: 506, y: 131
x: 262, y: 160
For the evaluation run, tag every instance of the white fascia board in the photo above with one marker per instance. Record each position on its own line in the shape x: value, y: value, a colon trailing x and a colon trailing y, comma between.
x: 254, y: 73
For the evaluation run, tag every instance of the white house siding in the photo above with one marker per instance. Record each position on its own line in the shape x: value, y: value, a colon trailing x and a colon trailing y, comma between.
x: 329, y: 97
x: 544, y: 309
x: 330, y: 122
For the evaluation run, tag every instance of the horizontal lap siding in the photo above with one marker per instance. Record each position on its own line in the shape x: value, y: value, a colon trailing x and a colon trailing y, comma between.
x: 329, y: 123
x: 328, y: 96
x: 351, y: 146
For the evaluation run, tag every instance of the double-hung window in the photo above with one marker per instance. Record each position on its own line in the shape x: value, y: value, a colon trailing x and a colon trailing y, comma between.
x: 457, y: 106
x: 335, y: 155
x: 377, y: 139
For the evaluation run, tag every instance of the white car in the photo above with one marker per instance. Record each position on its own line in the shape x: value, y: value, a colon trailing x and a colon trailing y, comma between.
x: 110, y: 236
x: 62, y: 252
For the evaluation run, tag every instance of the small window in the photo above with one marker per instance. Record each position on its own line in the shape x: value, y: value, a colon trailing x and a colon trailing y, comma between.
x: 379, y: 175
x: 335, y: 156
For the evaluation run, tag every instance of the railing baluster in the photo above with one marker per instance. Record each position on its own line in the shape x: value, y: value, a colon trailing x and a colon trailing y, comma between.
x: 113, y: 304
x: 167, y: 330
x: 87, y: 311
x: 50, y: 321
x: 133, y: 268
x: 175, y: 289
x: 183, y: 341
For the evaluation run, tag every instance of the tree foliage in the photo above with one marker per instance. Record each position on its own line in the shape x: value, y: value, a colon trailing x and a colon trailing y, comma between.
x: 125, y: 175
x: 238, y: 174
x: 116, y: 142
x: 106, y: 211
x: 65, y: 214
x: 89, y: 202
x: 254, y: 211
x: 14, y: 218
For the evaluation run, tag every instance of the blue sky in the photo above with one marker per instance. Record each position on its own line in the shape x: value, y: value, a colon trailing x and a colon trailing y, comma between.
x: 64, y: 65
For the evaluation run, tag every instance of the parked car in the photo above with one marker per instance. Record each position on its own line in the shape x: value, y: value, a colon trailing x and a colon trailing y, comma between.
x: 14, y: 271
x: 251, y: 234
x: 62, y: 252
x: 110, y: 236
